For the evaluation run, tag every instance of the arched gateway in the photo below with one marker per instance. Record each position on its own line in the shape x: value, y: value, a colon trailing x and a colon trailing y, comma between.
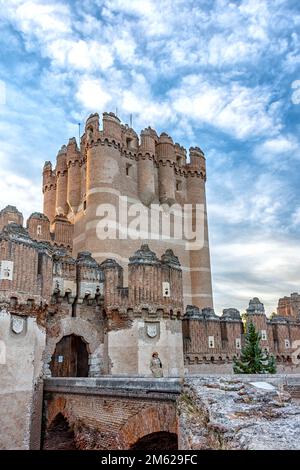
x: 70, y: 358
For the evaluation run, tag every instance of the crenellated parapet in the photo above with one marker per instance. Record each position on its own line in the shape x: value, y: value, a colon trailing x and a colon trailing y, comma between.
x: 212, y: 339
x: 153, y: 284
x: 197, y: 163
x: 202, y: 337
x: 25, y: 267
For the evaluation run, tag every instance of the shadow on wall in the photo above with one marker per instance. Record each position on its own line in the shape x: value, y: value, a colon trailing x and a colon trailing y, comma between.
x: 59, y: 435
x: 157, y: 441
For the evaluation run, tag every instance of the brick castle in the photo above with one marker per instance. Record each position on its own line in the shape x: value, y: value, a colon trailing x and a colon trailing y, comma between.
x: 75, y: 304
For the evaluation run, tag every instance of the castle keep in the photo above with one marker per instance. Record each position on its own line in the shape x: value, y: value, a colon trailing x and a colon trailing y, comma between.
x: 153, y: 172
x: 80, y: 297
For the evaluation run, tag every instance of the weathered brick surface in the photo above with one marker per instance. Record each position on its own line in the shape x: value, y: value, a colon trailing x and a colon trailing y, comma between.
x: 107, y: 423
x: 289, y: 306
x: 113, y: 162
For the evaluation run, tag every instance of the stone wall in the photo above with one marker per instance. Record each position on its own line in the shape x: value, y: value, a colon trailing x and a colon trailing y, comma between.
x: 22, y: 343
x: 138, y: 346
x: 237, y: 413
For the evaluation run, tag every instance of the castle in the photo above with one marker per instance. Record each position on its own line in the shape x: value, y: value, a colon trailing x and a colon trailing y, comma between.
x: 86, y: 292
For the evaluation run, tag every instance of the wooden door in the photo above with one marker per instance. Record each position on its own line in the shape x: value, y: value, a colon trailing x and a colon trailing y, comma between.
x: 70, y: 358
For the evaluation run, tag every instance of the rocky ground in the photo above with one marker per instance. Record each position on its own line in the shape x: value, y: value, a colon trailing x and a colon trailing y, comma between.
x: 232, y: 413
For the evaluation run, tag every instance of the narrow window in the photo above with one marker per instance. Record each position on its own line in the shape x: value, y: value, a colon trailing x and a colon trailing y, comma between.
x: 264, y: 335
x: 166, y: 289
x: 178, y: 185
x: 39, y: 230
x: 287, y: 344
x: 129, y: 142
x: 128, y: 169
x: 211, y: 342
x: 40, y: 264
x: 238, y: 343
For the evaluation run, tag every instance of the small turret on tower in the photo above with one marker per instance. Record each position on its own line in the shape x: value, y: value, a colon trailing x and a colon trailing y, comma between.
x: 10, y: 214
x: 91, y: 129
x: 197, y: 160
x: 63, y: 232
x: 61, y: 182
x: 165, y: 152
x: 146, y: 169
x: 38, y: 226
x: 201, y: 288
x: 74, y: 175
x: 180, y: 155
x: 49, y: 191
x: 130, y: 139
x: 112, y: 127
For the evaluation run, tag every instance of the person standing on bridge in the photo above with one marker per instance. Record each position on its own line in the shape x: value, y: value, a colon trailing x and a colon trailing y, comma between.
x: 156, y: 366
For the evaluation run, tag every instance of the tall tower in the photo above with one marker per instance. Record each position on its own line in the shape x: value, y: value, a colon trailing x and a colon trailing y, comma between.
x: 200, y: 269
x: 61, y: 182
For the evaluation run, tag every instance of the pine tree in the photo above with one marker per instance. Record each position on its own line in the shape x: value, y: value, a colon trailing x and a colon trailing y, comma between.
x: 253, y: 360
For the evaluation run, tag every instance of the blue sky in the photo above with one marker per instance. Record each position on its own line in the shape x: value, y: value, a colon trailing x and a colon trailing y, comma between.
x: 219, y: 74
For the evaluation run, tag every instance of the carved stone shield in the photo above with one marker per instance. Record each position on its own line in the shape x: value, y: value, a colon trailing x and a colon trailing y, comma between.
x: 151, y: 329
x: 17, y: 325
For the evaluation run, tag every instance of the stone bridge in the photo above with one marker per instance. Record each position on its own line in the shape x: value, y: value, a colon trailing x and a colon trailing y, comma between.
x: 199, y: 412
x: 111, y: 413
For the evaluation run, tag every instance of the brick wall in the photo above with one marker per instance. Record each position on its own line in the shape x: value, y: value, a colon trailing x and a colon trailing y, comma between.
x: 110, y: 423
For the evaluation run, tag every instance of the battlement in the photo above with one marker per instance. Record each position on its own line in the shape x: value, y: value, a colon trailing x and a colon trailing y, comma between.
x: 158, y: 168
x: 113, y: 161
x: 154, y: 284
x: 209, y: 338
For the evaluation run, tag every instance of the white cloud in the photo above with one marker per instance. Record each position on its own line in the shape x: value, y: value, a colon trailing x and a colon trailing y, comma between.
x: 2, y: 93
x: 278, y: 151
x: 255, y: 266
x: 92, y: 95
x: 102, y: 54
x: 81, y: 55
x: 19, y: 191
x: 236, y: 109
x: 280, y: 144
x: 35, y: 17
x: 296, y: 217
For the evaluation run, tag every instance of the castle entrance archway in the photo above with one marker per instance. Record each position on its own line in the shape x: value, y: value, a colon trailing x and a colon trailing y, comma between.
x: 70, y: 358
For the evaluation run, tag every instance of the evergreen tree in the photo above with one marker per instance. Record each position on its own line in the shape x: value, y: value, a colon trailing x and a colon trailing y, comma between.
x: 253, y: 360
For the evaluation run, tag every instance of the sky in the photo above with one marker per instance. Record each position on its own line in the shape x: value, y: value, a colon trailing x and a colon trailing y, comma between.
x: 220, y: 74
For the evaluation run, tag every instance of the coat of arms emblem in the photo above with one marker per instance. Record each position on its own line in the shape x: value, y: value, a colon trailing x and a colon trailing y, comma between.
x: 17, y: 325
x: 152, y: 329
